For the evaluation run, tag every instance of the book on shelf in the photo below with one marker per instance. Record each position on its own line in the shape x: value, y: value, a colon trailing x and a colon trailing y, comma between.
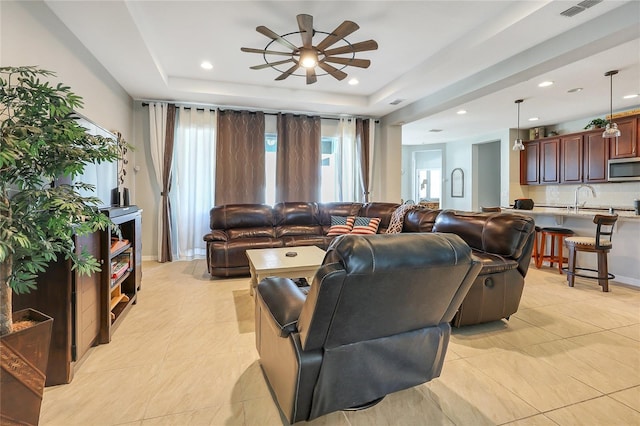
x: 117, y: 244
x: 119, y: 269
x: 120, y: 265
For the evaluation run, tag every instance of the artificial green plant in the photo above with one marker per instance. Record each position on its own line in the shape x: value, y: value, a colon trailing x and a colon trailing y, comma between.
x: 41, y: 142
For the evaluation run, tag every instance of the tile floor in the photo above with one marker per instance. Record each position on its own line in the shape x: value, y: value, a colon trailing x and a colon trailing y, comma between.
x: 185, y: 355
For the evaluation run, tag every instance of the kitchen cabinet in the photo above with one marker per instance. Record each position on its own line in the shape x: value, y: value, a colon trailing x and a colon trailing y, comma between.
x: 626, y: 145
x: 571, y: 163
x: 540, y: 162
x: 530, y: 164
x: 550, y: 161
x: 578, y: 157
x: 596, y: 154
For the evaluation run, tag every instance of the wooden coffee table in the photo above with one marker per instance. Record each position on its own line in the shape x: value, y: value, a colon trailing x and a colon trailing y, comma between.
x: 274, y: 262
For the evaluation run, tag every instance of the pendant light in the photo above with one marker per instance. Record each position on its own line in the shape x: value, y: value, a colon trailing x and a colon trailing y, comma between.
x: 517, y: 144
x: 611, y: 131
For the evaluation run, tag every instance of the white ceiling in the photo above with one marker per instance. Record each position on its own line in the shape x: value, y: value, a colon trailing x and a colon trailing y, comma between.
x: 436, y: 56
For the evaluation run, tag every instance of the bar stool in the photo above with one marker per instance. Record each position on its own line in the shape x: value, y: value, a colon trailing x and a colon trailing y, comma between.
x: 536, y: 237
x: 557, y: 241
x: 599, y: 245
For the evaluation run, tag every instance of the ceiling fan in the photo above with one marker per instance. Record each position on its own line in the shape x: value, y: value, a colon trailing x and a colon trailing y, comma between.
x: 308, y: 56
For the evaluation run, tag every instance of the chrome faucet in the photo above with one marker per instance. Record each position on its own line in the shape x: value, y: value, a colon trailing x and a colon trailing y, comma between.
x: 575, y: 202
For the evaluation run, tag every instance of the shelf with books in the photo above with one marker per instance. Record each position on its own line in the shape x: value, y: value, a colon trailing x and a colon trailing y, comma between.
x: 121, y: 282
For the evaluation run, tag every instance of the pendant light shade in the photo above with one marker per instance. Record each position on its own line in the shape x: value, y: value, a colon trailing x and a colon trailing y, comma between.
x: 611, y: 131
x: 517, y: 144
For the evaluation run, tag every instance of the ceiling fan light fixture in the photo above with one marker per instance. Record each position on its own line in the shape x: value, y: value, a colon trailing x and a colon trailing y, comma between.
x: 611, y: 130
x: 308, y: 58
x: 517, y: 144
x: 315, y: 59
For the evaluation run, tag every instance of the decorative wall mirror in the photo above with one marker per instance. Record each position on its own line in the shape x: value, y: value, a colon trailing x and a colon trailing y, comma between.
x: 457, y: 183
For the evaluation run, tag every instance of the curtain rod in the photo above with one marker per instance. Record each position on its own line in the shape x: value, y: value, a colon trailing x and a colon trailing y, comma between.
x: 144, y: 104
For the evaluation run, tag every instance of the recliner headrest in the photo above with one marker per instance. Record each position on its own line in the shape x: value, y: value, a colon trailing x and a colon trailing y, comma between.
x: 362, y: 254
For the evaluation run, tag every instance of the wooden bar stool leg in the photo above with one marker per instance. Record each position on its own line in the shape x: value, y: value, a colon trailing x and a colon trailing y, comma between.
x: 535, y: 248
x: 603, y: 270
x: 543, y: 237
x: 560, y: 254
x: 572, y: 266
x: 553, y: 250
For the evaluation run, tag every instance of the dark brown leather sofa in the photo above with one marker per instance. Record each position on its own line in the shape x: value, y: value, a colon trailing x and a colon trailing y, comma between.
x: 238, y: 227
x: 501, y: 241
x: 376, y: 320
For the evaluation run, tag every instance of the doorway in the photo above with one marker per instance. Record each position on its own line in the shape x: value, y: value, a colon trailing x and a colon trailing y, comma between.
x: 427, y: 176
x: 487, y: 167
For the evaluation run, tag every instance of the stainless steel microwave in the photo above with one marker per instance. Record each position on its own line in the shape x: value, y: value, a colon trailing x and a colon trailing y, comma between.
x: 623, y: 169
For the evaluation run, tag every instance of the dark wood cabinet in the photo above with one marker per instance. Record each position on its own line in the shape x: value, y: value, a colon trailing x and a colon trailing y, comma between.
x: 571, y: 148
x: 540, y: 162
x: 596, y: 154
x: 73, y: 301
x: 550, y: 161
x: 626, y: 145
x: 578, y: 157
x: 530, y: 164
x: 80, y: 305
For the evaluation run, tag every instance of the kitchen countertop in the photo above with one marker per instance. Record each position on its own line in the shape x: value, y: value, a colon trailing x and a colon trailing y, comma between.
x: 624, y: 213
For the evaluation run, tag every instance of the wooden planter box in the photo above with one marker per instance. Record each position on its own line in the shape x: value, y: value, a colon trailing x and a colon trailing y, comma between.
x: 23, y: 365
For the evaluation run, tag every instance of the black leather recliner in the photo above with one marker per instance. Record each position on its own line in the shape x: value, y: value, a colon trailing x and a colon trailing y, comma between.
x: 375, y: 321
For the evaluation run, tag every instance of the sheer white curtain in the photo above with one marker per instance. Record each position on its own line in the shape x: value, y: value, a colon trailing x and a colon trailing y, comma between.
x: 193, y: 179
x: 348, y: 180
x: 157, y: 134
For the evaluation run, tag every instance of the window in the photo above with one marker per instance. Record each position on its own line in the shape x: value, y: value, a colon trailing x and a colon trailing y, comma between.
x: 328, y: 186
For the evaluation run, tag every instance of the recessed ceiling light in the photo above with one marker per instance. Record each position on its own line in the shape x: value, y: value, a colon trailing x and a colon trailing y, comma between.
x: 545, y: 84
x: 575, y: 90
x: 435, y: 130
x: 631, y: 96
x: 206, y: 65
x: 462, y: 112
x: 534, y: 119
x: 354, y: 81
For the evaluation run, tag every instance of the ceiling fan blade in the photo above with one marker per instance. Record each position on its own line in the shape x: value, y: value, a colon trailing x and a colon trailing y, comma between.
x: 311, y: 75
x: 360, y: 63
x: 288, y: 72
x: 343, y: 30
x: 270, y: 64
x: 355, y: 47
x: 305, y: 23
x: 267, y: 32
x: 266, y: 52
x: 336, y: 73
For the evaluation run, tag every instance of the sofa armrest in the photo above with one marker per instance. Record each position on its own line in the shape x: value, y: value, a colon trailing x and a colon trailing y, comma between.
x: 216, y: 235
x: 281, y: 300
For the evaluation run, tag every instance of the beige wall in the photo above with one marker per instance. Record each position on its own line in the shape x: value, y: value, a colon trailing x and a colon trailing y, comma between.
x: 30, y: 34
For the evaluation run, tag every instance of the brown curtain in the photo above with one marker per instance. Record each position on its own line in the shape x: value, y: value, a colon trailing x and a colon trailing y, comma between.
x: 165, y: 254
x: 240, y: 168
x: 364, y: 146
x: 298, y: 159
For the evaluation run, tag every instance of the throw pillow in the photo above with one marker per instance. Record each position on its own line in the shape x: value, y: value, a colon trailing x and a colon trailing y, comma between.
x: 365, y: 225
x: 340, y: 225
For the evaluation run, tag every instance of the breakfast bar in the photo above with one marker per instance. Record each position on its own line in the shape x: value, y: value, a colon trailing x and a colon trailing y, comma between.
x: 624, y: 258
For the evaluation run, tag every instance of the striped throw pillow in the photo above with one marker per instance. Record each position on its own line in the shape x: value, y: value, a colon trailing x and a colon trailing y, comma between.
x: 365, y: 225
x: 340, y: 225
